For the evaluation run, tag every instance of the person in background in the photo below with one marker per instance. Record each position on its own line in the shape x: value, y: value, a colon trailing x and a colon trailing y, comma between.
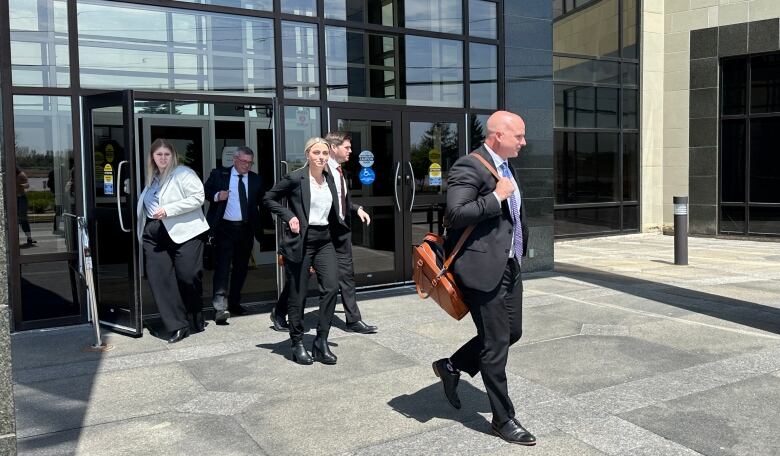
x: 22, y: 185
x: 170, y: 226
x: 307, y: 240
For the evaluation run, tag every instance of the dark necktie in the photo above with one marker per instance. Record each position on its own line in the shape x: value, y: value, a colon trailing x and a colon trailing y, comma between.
x: 242, y: 197
x: 343, y: 193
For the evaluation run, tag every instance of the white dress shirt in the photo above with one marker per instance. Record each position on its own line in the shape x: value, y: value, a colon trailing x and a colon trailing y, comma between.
x: 233, y: 208
x: 498, y: 162
x: 321, y: 202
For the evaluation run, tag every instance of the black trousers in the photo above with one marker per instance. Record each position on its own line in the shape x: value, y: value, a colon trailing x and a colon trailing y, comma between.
x: 347, y: 278
x: 320, y: 254
x: 234, y: 242
x: 498, y: 316
x: 169, y: 263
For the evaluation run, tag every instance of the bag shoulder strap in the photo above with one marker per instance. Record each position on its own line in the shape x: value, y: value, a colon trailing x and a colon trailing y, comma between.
x: 468, y: 230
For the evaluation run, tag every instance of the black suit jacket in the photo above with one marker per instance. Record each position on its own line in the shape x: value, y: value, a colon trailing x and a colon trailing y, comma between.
x: 294, y: 188
x: 470, y: 200
x: 343, y: 231
x: 219, y: 180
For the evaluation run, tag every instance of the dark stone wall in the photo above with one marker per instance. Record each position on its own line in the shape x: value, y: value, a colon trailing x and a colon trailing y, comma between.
x: 529, y: 93
x: 708, y: 46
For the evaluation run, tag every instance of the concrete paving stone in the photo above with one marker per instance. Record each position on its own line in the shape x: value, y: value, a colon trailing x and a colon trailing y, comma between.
x: 163, y: 434
x: 736, y: 419
x: 739, y: 324
x: 8, y: 445
x: 552, y: 285
x: 567, y: 413
x: 643, y: 302
x: 539, y: 300
x: 604, y: 330
x: 584, y: 363
x: 615, y: 399
x: 364, y: 411
x: 56, y: 405
x: 662, y: 448
x: 269, y: 370
x: 219, y: 403
x: 554, y: 444
x: 525, y: 394
x: 700, y: 339
x: 594, y: 313
x: 615, y: 436
x: 417, y: 347
x: 539, y: 327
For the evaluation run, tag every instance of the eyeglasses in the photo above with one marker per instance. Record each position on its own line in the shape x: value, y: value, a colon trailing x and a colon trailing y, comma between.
x: 246, y: 162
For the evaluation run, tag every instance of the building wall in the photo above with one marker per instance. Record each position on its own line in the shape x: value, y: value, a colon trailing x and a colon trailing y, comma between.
x: 666, y: 104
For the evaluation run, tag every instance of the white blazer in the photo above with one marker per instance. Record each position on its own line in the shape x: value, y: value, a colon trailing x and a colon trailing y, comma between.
x: 182, y: 196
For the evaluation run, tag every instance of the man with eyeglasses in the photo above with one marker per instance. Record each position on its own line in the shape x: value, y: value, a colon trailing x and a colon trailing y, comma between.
x: 236, y: 195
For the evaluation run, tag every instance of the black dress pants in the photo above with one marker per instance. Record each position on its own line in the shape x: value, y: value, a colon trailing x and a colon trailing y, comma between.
x: 175, y: 276
x: 319, y: 253
x: 234, y: 242
x: 498, y: 316
x: 347, y: 278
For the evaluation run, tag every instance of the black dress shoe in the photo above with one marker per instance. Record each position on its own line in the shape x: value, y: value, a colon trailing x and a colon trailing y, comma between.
x: 300, y: 355
x: 179, y: 335
x: 449, y: 381
x: 237, y: 310
x: 514, y: 432
x: 221, y: 317
x: 361, y: 327
x: 321, y: 352
x: 279, y: 324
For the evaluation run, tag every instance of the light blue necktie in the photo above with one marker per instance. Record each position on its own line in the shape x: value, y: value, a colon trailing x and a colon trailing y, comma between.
x: 515, y: 210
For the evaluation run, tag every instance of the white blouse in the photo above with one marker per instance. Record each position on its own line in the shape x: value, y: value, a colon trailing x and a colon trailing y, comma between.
x: 321, y: 202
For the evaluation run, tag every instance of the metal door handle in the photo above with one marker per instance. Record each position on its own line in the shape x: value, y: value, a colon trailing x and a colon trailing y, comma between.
x: 414, y: 186
x: 395, y: 185
x: 286, y: 167
x: 119, y: 195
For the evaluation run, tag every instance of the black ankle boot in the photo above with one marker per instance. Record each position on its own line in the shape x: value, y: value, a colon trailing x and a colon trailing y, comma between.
x: 321, y: 352
x: 299, y: 353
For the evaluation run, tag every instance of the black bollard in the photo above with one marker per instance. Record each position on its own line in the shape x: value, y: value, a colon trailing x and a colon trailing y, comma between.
x: 680, y: 229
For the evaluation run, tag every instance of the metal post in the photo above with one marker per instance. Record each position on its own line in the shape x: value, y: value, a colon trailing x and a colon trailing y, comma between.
x: 680, y: 229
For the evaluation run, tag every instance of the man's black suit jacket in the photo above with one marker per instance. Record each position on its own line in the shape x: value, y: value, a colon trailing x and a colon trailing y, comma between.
x: 219, y: 180
x: 470, y: 201
x: 295, y: 189
x: 344, y: 230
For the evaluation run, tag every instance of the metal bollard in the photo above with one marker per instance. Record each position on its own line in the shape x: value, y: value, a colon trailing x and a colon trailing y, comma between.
x: 680, y: 229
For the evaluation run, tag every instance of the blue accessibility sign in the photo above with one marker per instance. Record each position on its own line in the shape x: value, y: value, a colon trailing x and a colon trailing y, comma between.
x: 367, y: 176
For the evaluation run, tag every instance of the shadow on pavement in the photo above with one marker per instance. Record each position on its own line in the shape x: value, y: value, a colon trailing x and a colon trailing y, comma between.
x: 758, y: 316
x: 429, y: 403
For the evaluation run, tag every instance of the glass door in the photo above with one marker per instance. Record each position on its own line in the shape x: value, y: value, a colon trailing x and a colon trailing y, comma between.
x: 375, y: 179
x: 110, y: 182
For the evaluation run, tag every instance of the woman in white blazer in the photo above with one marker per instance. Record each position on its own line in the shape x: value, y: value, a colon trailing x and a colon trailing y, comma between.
x: 170, y: 225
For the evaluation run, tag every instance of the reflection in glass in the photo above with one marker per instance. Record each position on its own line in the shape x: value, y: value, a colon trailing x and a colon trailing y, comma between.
x: 260, y: 5
x: 381, y: 12
x: 569, y: 69
x: 586, y: 167
x: 630, y: 167
x: 630, y: 218
x: 483, y: 73
x: 734, y: 86
x: 477, y: 130
x: 482, y: 19
x: 444, y: 16
x: 45, y: 174
x: 765, y: 220
x: 300, y: 124
x: 733, y: 159
x: 765, y: 83
x: 732, y: 219
x: 360, y: 66
x: 300, y: 7
x: 570, y: 222
x: 434, y: 148
x: 299, y: 60
x: 49, y: 290
x: 39, y: 43
x: 764, y: 160
x: 434, y: 71
x: 630, y: 73
x: 630, y: 108
x: 375, y: 136
x: 630, y: 29
x: 144, y: 47
x: 590, y: 31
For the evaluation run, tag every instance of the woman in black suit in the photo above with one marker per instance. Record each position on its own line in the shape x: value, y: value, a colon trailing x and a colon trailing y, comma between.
x: 307, y: 242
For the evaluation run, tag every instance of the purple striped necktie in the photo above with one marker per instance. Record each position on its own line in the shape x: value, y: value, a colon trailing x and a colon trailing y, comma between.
x: 515, y: 210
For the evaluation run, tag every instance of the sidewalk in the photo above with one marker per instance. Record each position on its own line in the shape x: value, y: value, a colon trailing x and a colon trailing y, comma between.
x: 623, y: 353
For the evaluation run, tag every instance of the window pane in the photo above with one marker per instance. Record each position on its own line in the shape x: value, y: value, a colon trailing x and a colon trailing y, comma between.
x: 733, y: 161
x: 607, y: 108
x: 39, y: 43
x: 349, y: 63
x: 568, y: 69
x: 765, y: 220
x: 764, y: 160
x: 139, y: 47
x: 299, y: 60
x: 630, y: 108
x: 260, y: 5
x: 590, y: 31
x: 380, y: 12
x: 300, y: 124
x: 477, y: 130
x: 444, y: 16
x: 734, y: 86
x: 45, y: 174
x: 630, y: 217
x: 49, y: 290
x: 630, y: 29
x: 586, y: 166
x: 482, y: 19
x: 300, y: 7
x: 434, y: 71
x: 765, y: 84
x: 575, y: 106
x: 484, y: 75
x: 630, y: 73
x: 732, y: 219
x: 586, y: 220
x: 434, y: 148
x: 630, y: 167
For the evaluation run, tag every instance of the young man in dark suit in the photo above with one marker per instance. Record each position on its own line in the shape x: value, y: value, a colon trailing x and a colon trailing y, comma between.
x: 236, y: 195
x: 487, y: 269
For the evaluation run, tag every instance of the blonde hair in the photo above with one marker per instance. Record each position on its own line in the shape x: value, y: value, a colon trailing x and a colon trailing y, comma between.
x: 314, y: 141
x: 151, y: 167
